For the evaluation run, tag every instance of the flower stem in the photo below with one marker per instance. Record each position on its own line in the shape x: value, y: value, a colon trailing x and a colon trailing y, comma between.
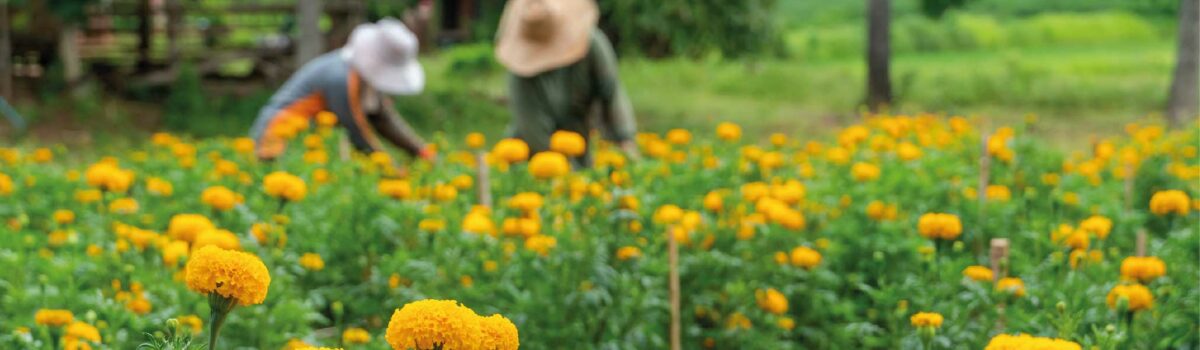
x: 220, y: 307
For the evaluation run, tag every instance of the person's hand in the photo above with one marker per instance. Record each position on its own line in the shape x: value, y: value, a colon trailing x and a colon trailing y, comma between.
x: 428, y: 154
x: 631, y: 150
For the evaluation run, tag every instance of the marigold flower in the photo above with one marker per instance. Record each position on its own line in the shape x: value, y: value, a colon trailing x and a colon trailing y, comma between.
x: 939, y: 226
x: 771, y: 301
x: 475, y: 140
x: 540, y: 244
x: 1077, y: 240
x: 926, y: 320
x: 173, y: 251
x: 285, y: 186
x: 864, y: 172
x: 312, y: 262
x: 729, y: 131
x: 186, y: 227
x: 1170, y: 201
x: 568, y: 143
x: 53, y: 317
x: 63, y: 216
x: 1136, y: 296
x: 1025, y: 341
x: 1142, y: 269
x: 108, y: 177
x: 1011, y: 285
x: 238, y: 276
x: 907, y: 151
x: 511, y: 150
x: 478, y: 221
x: 396, y: 189
x: 998, y: 193
x: 499, y: 333
x: 83, y: 196
x: 628, y: 252
x: 82, y: 331
x: 219, y: 198
x: 159, y: 187
x: 123, y: 206
x: 978, y: 273
x: 805, y: 257
x: 435, y: 324
x: 6, y: 184
x: 1097, y: 225
x: 217, y: 237
x: 546, y: 165
x: 679, y: 136
x: 355, y: 335
x: 526, y: 201
x: 668, y: 214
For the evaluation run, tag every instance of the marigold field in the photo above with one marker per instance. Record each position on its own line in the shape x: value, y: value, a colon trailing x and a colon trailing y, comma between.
x: 880, y: 237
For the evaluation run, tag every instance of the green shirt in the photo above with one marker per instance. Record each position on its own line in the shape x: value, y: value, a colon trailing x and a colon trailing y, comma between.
x: 563, y: 99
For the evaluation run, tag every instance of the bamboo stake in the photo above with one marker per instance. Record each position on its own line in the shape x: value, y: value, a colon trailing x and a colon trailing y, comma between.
x: 673, y: 286
x: 1141, y: 243
x: 483, y: 187
x: 999, y: 258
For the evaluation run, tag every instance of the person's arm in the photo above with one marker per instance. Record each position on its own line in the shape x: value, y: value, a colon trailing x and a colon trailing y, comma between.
x: 396, y: 130
x: 616, y: 112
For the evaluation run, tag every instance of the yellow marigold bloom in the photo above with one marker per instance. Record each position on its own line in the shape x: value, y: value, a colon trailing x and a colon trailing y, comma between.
x: 53, y: 317
x: 186, y: 227
x: 86, y: 196
x: 526, y: 201
x: 238, y: 276
x: 1137, y: 297
x: 1097, y: 225
x: 462, y: 182
x: 431, y: 225
x: 805, y: 257
x: 864, y: 172
x: 568, y: 143
x: 754, y: 191
x: 1050, y: 179
x: 285, y: 186
x: 108, y: 177
x: 926, y: 320
x: 297, y: 344
x: 475, y: 140
x: 312, y: 262
x: 997, y: 193
x: 43, y: 155
x: 219, y: 198
x: 714, y: 201
x: 355, y: 335
x: 939, y: 226
x: 435, y: 324
x: 1025, y: 341
x: 978, y: 273
x: 478, y: 221
x: 541, y: 244
x: 628, y: 252
x: 778, y: 139
x: 737, y: 321
x: 499, y: 333
x: 679, y: 137
x: 396, y: 189
x: 63, y: 216
x: 123, y: 206
x: 1143, y: 269
x: 192, y: 323
x: 908, y: 151
x: 545, y: 165
x: 94, y: 250
x: 6, y: 184
x: 879, y: 211
x: 729, y: 131
x: 511, y: 150
x: 789, y: 192
x: 1170, y: 201
x: 243, y: 145
x: 217, y: 237
x: 668, y: 214
x: 444, y: 193
x: 771, y: 301
x: 173, y: 251
x: 82, y: 331
x: 139, y: 306
x: 1011, y: 285
x: 159, y: 187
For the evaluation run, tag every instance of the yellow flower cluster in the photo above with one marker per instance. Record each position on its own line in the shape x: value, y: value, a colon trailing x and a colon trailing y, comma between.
x: 628, y: 252
x: 53, y: 317
x: 926, y: 320
x: 771, y: 301
x: 568, y: 143
x: 217, y: 237
x: 395, y: 188
x: 1137, y: 297
x: 312, y: 262
x: 80, y: 335
x: 1170, y: 202
x: 804, y: 257
x: 1026, y: 342
x: 939, y: 226
x: 445, y: 324
x: 1011, y: 285
x: 186, y: 227
x: 355, y: 335
x: 548, y: 165
x: 238, y: 276
x: 220, y: 198
x: 978, y: 273
x: 285, y: 186
x: 107, y: 176
x: 1142, y: 269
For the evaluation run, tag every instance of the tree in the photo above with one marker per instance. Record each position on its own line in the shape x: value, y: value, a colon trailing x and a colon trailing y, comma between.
x: 1184, y: 99
x: 879, y: 82
x: 310, y: 43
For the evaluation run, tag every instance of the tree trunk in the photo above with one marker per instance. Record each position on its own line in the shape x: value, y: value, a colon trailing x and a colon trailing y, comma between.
x: 174, y: 26
x: 309, y: 43
x: 1184, y: 100
x: 145, y: 32
x: 879, y: 82
x: 68, y: 55
x: 5, y: 53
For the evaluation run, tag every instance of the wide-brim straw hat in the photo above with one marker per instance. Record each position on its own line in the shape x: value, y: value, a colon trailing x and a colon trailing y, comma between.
x: 385, y: 55
x: 540, y: 35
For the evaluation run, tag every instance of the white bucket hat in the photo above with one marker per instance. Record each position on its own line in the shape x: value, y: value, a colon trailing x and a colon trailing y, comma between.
x: 540, y: 35
x: 385, y: 55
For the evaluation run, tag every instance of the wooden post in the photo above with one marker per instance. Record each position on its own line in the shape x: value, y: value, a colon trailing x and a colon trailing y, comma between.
x: 483, y: 180
x: 999, y: 258
x: 1141, y: 243
x: 5, y: 53
x: 145, y: 31
x: 68, y: 54
x: 673, y: 288
x: 309, y: 43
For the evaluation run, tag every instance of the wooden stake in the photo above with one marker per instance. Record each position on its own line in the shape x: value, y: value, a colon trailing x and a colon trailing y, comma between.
x: 999, y: 258
x: 483, y: 187
x: 1141, y: 243
x: 673, y: 286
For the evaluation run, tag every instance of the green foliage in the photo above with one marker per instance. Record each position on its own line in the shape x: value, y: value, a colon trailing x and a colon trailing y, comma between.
x: 191, y: 109
x: 692, y: 28
x: 937, y: 8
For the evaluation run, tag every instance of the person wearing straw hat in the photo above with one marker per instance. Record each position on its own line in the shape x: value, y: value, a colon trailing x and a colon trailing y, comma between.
x: 561, y: 66
x: 353, y: 83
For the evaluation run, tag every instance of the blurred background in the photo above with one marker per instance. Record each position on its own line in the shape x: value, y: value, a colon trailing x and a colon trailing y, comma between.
x: 106, y: 73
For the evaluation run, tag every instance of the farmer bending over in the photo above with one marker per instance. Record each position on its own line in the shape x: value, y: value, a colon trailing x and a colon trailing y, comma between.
x: 561, y: 65
x: 380, y: 58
